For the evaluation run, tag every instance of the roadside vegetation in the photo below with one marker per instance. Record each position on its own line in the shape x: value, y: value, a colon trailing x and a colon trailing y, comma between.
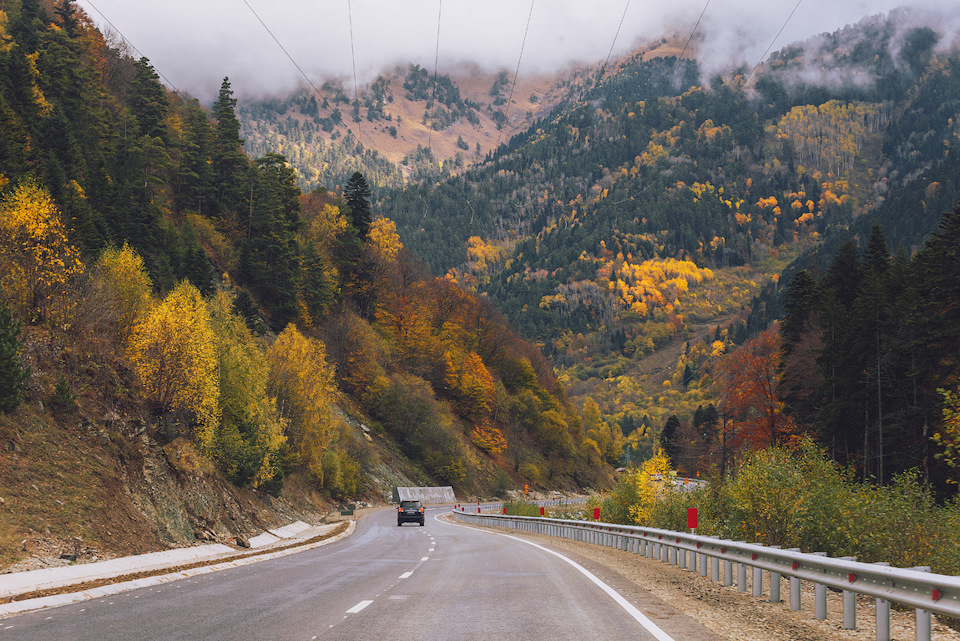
x: 799, y: 497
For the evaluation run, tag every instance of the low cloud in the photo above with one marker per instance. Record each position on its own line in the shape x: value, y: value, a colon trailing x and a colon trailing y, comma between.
x: 195, y: 44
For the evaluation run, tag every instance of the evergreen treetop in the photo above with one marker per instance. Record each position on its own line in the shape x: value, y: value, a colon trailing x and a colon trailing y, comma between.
x: 357, y: 194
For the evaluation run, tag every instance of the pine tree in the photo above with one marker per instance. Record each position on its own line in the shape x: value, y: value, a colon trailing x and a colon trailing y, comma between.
x: 842, y: 414
x: 269, y: 258
x: 195, y: 174
x: 871, y: 315
x: 799, y: 302
x: 13, y: 375
x: 357, y: 195
x: 68, y: 17
x: 228, y: 160
x: 149, y: 102
x: 668, y: 438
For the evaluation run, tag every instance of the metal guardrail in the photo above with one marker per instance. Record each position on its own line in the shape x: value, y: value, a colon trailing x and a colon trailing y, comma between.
x: 914, y: 587
x: 500, y: 505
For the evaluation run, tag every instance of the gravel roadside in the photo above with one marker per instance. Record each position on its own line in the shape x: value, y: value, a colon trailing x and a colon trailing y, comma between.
x: 730, y: 614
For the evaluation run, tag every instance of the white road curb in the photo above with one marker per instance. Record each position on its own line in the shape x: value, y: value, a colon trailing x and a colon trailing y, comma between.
x: 19, y: 607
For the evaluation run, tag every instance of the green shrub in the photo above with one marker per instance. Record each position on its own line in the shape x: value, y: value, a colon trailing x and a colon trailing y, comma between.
x: 522, y: 508
x: 13, y: 375
x: 63, y: 399
x: 801, y: 498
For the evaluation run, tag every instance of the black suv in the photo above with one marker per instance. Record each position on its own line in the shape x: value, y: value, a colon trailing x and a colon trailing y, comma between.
x: 410, y: 511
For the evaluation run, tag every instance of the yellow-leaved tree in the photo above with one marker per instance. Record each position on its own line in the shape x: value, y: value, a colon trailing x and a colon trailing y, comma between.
x: 650, y: 482
x: 37, y: 263
x: 469, y: 382
x: 384, y: 239
x: 304, y: 385
x: 607, y: 440
x: 250, y: 433
x: 948, y: 436
x: 120, y: 275
x: 173, y: 351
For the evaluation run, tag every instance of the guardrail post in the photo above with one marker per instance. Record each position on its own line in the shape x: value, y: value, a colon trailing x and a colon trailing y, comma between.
x: 727, y: 572
x: 673, y: 554
x: 757, y: 582
x: 849, y: 603
x: 682, y: 558
x: 924, y: 622
x: 703, y: 564
x: 741, y: 577
x: 774, y: 584
x: 819, y: 596
x: 883, y: 615
x: 693, y: 561
x: 794, y: 588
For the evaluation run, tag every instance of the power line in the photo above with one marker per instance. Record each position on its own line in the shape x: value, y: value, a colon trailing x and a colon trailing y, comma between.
x: 516, y: 73
x: 615, y: 36
x: 436, y: 65
x: 139, y: 53
x: 282, y: 48
x: 353, y: 59
x: 772, y: 42
x: 690, y: 39
x: 692, y: 33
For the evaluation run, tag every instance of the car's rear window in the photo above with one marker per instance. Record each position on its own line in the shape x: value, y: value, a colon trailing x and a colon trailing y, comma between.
x: 406, y: 504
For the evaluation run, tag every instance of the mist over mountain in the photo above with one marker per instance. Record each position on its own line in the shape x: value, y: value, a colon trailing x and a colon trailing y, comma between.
x: 195, y: 45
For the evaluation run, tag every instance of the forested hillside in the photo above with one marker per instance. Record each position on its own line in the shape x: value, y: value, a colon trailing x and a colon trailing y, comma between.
x: 408, y: 125
x: 639, y: 233
x: 152, y: 273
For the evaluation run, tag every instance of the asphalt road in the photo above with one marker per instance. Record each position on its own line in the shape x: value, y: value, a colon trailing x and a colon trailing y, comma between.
x: 442, y: 581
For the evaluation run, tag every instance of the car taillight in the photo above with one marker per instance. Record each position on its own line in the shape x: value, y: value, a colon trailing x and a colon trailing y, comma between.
x: 399, y: 509
x: 421, y: 509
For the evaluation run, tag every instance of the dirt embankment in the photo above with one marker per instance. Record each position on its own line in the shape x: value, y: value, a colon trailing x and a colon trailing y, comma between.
x: 81, y: 488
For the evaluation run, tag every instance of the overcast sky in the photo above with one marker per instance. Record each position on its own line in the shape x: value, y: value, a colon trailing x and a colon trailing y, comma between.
x: 195, y: 43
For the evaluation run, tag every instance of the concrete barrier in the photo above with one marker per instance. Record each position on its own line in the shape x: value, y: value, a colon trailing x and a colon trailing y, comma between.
x: 426, y: 495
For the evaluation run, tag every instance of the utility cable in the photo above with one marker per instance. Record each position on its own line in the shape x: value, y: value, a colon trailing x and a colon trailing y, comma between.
x: 690, y: 39
x: 615, y: 36
x: 139, y: 53
x: 282, y: 48
x: 772, y: 42
x: 353, y: 58
x: 309, y: 82
x: 436, y: 65
x: 523, y: 44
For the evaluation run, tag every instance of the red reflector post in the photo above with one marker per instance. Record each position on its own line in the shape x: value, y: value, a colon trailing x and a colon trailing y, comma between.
x: 541, y: 510
x: 692, y: 518
x: 596, y: 514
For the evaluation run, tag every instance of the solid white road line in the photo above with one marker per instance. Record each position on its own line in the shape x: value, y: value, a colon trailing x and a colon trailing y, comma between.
x: 638, y: 616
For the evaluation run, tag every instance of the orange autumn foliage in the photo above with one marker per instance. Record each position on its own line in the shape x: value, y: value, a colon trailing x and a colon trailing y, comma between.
x: 748, y: 382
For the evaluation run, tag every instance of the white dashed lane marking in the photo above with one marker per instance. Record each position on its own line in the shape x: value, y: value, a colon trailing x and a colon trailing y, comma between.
x: 406, y: 575
x: 359, y: 607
